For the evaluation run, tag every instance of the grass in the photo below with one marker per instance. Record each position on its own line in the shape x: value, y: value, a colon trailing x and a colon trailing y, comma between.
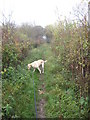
x: 57, y: 86
x: 18, y: 92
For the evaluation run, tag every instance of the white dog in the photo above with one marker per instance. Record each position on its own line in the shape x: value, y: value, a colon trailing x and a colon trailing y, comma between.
x: 37, y: 64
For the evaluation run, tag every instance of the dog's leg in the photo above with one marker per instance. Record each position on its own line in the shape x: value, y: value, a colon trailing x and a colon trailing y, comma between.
x: 43, y: 67
x: 34, y: 70
x: 39, y: 70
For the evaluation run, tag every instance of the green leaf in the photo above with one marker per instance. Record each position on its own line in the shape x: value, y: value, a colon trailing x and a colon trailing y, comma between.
x: 82, y: 100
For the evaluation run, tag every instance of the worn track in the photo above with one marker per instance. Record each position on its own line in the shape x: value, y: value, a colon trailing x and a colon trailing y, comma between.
x: 41, y: 104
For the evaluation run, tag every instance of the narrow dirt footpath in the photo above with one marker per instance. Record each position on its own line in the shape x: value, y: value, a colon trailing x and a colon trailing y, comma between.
x: 41, y: 104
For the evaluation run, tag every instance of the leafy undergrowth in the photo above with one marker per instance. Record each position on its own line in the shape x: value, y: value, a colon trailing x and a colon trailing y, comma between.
x: 61, y: 93
x: 18, y: 91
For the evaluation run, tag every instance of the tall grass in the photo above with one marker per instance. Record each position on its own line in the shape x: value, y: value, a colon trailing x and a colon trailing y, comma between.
x: 61, y: 93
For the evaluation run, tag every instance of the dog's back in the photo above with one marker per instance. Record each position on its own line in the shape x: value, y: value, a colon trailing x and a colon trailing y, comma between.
x: 37, y: 64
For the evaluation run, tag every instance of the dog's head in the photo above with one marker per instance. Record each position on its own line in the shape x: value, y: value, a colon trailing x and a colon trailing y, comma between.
x: 29, y: 66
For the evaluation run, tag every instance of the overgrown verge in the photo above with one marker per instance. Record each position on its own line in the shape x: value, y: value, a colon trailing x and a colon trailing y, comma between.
x: 18, y: 89
x: 62, y: 93
x: 17, y: 81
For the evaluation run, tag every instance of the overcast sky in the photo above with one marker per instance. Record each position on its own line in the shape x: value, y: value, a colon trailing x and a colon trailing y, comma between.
x: 38, y: 12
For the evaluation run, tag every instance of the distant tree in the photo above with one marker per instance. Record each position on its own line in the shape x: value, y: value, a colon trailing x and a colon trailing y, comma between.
x: 37, y: 32
x: 49, y: 33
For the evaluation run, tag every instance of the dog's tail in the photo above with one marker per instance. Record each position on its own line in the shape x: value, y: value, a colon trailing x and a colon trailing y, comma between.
x: 45, y: 61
